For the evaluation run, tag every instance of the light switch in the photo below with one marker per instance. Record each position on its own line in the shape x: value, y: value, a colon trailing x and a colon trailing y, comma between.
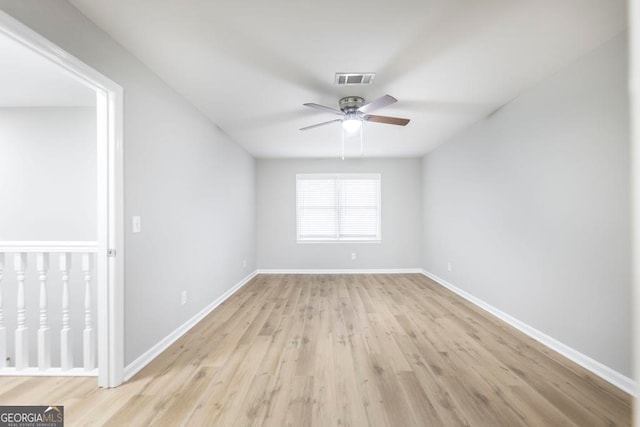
x: 136, y: 224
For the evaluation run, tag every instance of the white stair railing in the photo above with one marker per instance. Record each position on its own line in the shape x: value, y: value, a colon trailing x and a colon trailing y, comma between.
x: 43, y: 252
x: 3, y: 332
x: 66, y: 350
x: 89, y: 341
x: 44, y: 337
x: 22, y: 332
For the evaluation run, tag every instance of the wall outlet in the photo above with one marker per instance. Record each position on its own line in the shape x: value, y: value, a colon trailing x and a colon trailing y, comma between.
x: 244, y: 263
x: 353, y: 255
x: 449, y: 266
x: 183, y: 297
x: 136, y: 225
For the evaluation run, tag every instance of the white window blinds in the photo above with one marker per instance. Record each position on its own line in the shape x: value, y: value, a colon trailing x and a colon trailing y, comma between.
x: 338, y: 207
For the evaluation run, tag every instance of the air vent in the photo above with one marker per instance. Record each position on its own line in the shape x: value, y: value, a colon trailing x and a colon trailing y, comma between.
x: 354, y: 78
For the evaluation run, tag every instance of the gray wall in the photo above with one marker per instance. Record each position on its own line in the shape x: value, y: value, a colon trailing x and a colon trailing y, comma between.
x: 197, y: 222
x: 401, y: 227
x: 48, y: 173
x: 531, y: 207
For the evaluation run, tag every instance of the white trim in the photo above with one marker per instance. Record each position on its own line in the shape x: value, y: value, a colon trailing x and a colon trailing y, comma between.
x: 343, y: 271
x: 340, y: 175
x: 617, y: 379
x: 50, y: 372
x: 113, y: 337
x: 146, y: 358
x: 634, y: 92
x: 110, y: 204
x: 48, y: 246
x: 339, y: 242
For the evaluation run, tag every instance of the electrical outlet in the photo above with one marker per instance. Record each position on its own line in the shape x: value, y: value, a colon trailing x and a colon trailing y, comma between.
x: 449, y: 266
x: 183, y: 297
x: 353, y: 255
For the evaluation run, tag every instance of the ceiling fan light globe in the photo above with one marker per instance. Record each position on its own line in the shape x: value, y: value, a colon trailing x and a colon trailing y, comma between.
x: 351, y: 125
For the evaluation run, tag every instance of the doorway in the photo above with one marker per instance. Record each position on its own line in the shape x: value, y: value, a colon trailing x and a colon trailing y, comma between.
x: 104, y: 262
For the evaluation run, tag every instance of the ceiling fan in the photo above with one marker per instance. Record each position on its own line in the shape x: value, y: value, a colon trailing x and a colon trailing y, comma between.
x: 354, y: 111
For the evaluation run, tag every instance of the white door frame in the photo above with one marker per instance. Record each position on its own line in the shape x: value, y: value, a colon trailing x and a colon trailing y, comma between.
x: 634, y: 88
x: 109, y: 265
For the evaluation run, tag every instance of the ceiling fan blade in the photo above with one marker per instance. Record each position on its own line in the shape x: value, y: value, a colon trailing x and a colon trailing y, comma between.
x: 387, y: 120
x: 320, y: 124
x: 322, y: 107
x: 377, y: 104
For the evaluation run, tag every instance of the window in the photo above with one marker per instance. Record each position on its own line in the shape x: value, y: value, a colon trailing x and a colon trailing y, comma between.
x: 338, y: 207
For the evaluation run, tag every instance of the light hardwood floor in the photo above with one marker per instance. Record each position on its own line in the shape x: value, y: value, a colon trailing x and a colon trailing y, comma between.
x: 334, y: 350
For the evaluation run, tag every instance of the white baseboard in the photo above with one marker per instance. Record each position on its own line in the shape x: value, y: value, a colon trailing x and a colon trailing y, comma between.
x: 51, y: 372
x: 144, y: 359
x: 617, y: 379
x: 343, y: 271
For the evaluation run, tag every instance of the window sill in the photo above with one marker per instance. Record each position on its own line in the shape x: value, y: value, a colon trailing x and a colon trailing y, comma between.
x: 323, y: 242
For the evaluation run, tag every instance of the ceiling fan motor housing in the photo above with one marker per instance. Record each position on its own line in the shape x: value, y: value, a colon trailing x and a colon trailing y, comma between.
x: 350, y: 104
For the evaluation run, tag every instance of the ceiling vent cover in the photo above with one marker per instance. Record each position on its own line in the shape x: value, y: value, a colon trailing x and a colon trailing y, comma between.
x: 354, y: 78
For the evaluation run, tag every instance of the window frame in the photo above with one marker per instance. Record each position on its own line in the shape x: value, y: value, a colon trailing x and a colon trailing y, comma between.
x: 336, y: 177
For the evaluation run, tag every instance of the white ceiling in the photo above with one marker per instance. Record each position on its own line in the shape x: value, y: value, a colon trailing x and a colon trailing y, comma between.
x: 29, y: 80
x: 250, y: 65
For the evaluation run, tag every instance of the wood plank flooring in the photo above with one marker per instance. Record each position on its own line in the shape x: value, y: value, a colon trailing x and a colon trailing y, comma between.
x: 342, y: 350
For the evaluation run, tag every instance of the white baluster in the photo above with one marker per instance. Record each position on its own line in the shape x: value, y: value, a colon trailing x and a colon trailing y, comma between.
x: 89, y: 344
x: 66, y: 351
x: 3, y: 332
x: 44, y: 335
x: 22, y: 332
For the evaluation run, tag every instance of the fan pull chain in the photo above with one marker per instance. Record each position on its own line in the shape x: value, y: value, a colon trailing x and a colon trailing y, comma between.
x: 361, y: 138
x: 342, y: 143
